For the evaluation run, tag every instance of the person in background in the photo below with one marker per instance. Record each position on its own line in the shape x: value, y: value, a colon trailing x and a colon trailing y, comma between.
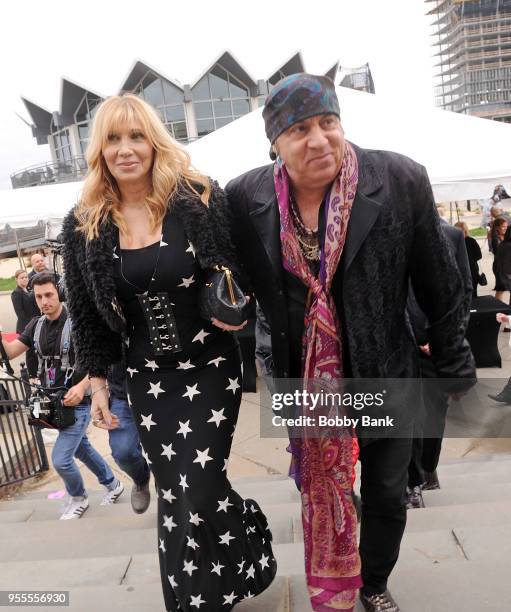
x: 497, y: 233
x: 504, y: 397
x: 38, y: 263
x: 45, y: 335
x: 474, y: 255
x: 26, y: 309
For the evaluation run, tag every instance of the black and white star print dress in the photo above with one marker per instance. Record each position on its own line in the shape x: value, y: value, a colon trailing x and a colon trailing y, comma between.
x: 214, y: 547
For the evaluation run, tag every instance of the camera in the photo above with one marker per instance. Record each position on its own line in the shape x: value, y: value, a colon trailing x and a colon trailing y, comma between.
x: 47, y: 409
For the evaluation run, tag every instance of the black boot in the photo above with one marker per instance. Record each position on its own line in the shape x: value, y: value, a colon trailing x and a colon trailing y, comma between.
x: 414, y: 498
x: 504, y: 396
x: 430, y: 481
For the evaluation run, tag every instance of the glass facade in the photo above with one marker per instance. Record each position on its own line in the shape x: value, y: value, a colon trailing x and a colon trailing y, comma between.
x: 62, y: 144
x: 219, y: 98
x: 83, y: 116
x: 167, y: 99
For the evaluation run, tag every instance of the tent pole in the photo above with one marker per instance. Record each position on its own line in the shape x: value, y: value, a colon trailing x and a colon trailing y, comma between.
x: 450, y: 213
x: 18, y: 249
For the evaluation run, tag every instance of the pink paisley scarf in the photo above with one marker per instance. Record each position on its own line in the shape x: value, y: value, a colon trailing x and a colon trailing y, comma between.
x: 324, y: 463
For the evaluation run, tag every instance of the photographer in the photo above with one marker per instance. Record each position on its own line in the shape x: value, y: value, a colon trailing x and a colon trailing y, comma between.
x: 50, y: 336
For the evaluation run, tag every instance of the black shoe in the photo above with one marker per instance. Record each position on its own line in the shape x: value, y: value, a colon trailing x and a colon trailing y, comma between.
x: 431, y: 481
x: 504, y: 396
x: 381, y: 602
x: 414, y: 498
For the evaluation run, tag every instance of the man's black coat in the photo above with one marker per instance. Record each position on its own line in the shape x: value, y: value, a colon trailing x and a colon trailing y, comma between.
x: 393, y: 237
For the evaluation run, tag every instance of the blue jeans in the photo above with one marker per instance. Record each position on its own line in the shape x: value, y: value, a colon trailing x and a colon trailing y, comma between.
x: 125, y: 443
x: 73, y: 442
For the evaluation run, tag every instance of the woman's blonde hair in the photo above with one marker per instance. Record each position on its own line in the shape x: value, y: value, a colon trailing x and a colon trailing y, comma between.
x: 18, y: 272
x: 171, y: 168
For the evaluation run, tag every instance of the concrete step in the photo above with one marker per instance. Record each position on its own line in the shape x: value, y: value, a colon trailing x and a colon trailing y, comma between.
x: 475, y: 467
x: 471, y: 586
x: 447, y: 497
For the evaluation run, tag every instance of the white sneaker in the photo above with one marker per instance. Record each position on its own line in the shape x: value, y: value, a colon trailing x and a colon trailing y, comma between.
x: 112, y: 496
x: 74, y: 509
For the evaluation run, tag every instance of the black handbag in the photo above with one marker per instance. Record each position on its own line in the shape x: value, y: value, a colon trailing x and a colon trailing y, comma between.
x: 221, y: 298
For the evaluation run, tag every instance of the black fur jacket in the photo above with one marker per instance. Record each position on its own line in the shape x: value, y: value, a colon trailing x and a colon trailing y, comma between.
x: 99, y: 326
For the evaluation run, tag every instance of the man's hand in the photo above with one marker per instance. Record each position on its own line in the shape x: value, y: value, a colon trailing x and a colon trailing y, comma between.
x: 74, y: 396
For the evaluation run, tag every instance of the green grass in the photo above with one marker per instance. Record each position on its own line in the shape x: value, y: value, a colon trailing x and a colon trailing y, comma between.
x: 7, y: 284
x: 477, y: 231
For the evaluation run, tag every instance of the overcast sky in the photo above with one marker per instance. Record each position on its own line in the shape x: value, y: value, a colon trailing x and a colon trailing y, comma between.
x: 95, y: 43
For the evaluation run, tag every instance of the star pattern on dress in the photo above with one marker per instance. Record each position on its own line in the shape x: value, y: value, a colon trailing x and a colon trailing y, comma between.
x: 223, y: 505
x: 217, y: 568
x: 132, y: 371
x: 192, y: 543
x: 172, y: 581
x: 129, y: 399
x: 250, y: 529
x: 183, y: 483
x: 229, y: 599
x: 168, y: 522
x: 147, y: 421
x: 167, y: 495
x: 196, y: 600
x: 253, y: 509
x: 202, y: 457
x: 226, y: 538
x: 151, y: 364
x: 162, y: 546
x: 191, y: 249
x: 185, y: 365
x: 200, y: 336
x: 115, y: 256
x: 233, y: 385
x: 240, y: 565
x: 264, y: 561
x: 163, y: 243
x: 146, y: 457
x: 167, y: 451
x: 187, y: 282
x: 216, y: 361
x: 226, y: 465
x: 218, y: 417
x: 184, y: 428
x: 195, y: 519
x: 155, y: 389
x: 248, y: 595
x: 191, y: 391
x: 251, y: 571
x: 189, y: 567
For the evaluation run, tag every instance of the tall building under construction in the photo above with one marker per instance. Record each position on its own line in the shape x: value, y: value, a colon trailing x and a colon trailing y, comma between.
x: 473, y: 47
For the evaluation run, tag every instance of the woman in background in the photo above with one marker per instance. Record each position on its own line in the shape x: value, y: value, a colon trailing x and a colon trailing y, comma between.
x: 474, y: 255
x: 26, y: 309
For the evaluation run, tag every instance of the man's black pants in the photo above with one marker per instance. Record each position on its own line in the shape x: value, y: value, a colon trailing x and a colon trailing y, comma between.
x: 383, y: 487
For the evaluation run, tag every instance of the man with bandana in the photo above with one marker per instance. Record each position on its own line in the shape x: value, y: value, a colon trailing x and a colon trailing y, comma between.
x: 329, y: 236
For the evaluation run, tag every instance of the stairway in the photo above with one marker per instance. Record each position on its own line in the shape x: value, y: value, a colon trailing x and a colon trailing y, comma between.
x: 455, y: 556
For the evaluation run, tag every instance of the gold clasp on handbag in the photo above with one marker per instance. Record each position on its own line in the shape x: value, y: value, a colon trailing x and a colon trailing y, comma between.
x: 228, y: 275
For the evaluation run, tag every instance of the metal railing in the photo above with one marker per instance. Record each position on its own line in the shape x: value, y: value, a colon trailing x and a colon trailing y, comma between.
x: 22, y: 452
x: 67, y: 171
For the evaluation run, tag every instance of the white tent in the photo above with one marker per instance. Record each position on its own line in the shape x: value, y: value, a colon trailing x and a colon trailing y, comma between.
x: 465, y: 156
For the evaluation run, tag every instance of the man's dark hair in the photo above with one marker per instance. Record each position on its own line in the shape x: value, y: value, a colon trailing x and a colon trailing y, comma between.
x: 42, y: 278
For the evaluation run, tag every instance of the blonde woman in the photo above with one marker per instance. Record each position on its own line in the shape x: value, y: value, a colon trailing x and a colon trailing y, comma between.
x: 136, y: 245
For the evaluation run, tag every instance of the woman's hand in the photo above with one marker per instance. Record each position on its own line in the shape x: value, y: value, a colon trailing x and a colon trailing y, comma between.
x: 502, y: 318
x: 100, y: 412
x: 228, y: 327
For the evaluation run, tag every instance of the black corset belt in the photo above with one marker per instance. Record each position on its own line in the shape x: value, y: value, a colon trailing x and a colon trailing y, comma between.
x: 161, y: 323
